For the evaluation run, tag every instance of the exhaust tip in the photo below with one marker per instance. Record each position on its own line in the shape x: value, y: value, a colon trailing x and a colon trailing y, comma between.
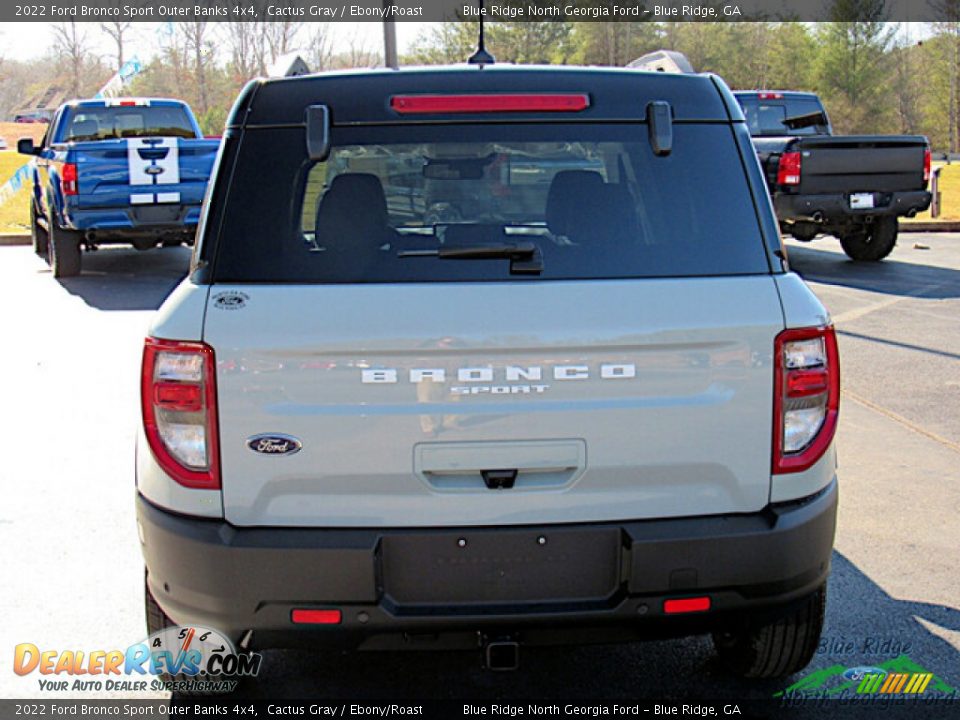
x: 502, y: 656
x: 818, y: 217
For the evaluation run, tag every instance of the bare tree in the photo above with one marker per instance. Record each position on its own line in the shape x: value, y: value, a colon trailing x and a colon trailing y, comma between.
x: 319, y: 48
x: 244, y: 41
x: 278, y: 39
x: 196, y: 37
x: 117, y: 32
x: 70, y: 44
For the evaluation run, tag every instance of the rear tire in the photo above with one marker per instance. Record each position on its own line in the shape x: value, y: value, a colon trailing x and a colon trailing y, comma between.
x: 63, y: 251
x: 873, y: 243
x: 803, y: 231
x: 776, y: 648
x: 38, y: 235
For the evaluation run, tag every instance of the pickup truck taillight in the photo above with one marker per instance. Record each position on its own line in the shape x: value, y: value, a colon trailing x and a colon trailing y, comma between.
x: 68, y: 179
x: 926, y: 165
x: 788, y: 171
x: 179, y: 402
x: 806, y: 397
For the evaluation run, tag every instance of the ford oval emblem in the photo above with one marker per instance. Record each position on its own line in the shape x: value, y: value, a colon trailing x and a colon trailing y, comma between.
x: 153, y: 170
x: 856, y: 673
x: 274, y: 444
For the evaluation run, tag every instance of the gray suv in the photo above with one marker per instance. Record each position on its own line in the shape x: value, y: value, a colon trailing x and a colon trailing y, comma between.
x: 490, y: 355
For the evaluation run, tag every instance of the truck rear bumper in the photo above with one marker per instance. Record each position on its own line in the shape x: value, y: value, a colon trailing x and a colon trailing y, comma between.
x: 549, y: 584
x: 835, y: 208
x: 104, y: 225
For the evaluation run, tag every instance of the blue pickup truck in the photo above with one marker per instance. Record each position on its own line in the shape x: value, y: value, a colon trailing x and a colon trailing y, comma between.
x: 126, y: 170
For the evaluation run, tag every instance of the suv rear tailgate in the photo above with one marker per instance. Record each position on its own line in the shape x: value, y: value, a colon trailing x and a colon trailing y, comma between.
x: 654, y: 399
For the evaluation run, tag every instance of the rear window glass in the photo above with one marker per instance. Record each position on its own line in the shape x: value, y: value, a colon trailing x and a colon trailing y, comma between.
x: 765, y: 117
x: 110, y: 123
x: 549, y: 202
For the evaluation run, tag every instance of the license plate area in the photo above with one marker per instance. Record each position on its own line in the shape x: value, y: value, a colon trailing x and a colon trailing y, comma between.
x: 861, y: 201
x: 485, y: 568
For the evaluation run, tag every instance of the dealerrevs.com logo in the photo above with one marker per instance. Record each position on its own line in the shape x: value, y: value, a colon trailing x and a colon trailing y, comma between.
x: 181, y: 658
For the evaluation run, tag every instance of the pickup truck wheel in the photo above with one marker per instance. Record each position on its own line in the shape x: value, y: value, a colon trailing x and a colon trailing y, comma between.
x: 874, y: 244
x: 157, y: 620
x: 63, y: 251
x: 37, y: 234
x: 774, y: 649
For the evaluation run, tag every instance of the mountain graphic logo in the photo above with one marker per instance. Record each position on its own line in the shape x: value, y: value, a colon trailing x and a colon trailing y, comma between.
x: 899, y: 676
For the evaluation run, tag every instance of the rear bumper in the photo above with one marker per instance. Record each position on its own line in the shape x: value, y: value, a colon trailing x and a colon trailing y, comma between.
x: 549, y: 584
x: 836, y: 207
x: 106, y: 224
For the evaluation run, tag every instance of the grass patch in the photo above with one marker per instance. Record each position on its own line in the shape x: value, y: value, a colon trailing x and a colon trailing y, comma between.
x: 15, y: 212
x: 949, y: 194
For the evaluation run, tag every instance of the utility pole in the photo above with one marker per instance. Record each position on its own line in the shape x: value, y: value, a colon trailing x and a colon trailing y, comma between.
x: 390, y: 40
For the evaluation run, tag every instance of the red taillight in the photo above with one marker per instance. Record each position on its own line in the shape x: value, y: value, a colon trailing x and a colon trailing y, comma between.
x: 178, y: 396
x: 68, y: 179
x: 771, y: 96
x: 316, y: 617
x: 788, y: 171
x: 686, y: 605
x: 803, y: 383
x: 440, y: 104
x: 926, y: 165
x: 806, y: 397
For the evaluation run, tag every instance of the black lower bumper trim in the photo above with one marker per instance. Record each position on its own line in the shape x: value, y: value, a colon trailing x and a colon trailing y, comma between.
x: 539, y: 580
x: 835, y: 208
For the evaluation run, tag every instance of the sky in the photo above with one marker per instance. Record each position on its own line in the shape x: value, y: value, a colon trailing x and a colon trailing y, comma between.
x: 27, y: 40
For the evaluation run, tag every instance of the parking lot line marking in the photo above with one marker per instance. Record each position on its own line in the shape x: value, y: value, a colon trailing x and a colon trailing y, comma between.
x: 897, y: 343
x: 901, y: 419
x: 858, y: 313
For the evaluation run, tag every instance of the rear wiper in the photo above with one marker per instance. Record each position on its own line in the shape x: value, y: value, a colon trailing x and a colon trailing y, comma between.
x: 525, y: 257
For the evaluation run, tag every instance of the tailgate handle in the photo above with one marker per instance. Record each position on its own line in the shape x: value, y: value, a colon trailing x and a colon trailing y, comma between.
x: 499, y: 479
x: 153, y: 153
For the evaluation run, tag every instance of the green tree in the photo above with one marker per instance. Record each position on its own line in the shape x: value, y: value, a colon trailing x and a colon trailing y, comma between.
x: 612, y: 43
x: 513, y: 42
x: 853, y: 68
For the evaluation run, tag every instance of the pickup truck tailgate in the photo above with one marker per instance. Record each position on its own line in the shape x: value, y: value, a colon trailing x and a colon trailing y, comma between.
x: 611, y: 400
x: 861, y: 163
x: 143, y: 171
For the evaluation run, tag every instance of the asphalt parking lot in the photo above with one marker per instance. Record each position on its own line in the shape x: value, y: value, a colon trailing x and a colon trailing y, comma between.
x: 73, y: 570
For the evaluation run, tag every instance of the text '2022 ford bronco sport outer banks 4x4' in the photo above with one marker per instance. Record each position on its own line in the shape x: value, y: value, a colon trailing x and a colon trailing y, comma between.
x: 490, y: 355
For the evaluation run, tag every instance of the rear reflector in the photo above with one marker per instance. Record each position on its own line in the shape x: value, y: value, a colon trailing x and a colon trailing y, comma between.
x: 439, y: 104
x: 316, y: 617
x: 686, y: 605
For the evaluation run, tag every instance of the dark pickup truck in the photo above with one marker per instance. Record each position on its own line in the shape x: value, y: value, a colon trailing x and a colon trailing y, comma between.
x: 853, y: 187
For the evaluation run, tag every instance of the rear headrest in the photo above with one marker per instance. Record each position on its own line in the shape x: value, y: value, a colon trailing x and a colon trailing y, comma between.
x: 568, y: 191
x: 353, y: 208
x: 84, y: 128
